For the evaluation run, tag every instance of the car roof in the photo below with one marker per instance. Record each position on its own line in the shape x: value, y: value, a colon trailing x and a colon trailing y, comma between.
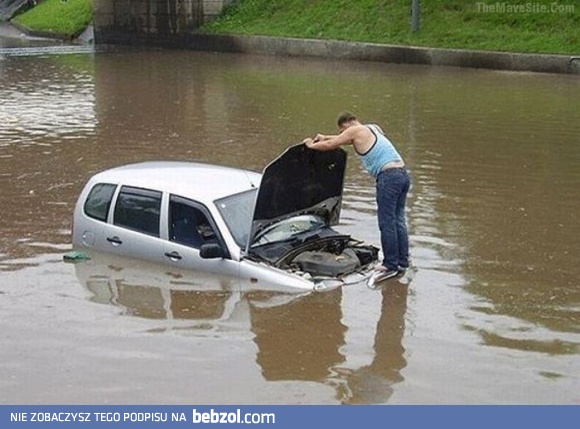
x: 196, y: 180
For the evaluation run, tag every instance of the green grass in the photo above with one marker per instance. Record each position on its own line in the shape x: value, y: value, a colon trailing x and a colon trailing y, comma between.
x: 64, y: 17
x: 461, y: 24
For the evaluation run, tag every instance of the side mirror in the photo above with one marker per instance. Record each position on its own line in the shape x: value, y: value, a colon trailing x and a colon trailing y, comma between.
x: 211, y: 251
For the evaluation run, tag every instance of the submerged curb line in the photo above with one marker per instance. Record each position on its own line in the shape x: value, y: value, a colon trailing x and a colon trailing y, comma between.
x: 543, y: 63
x: 288, y: 46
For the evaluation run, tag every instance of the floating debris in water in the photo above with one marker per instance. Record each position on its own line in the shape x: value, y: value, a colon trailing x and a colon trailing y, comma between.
x: 75, y: 256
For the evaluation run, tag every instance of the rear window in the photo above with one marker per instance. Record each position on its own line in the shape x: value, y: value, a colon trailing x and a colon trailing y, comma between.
x: 138, y: 209
x: 99, y: 200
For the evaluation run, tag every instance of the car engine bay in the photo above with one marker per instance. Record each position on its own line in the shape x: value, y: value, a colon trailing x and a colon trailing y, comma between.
x: 327, y: 254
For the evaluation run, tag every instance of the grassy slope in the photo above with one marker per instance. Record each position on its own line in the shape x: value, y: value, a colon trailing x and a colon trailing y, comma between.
x: 68, y: 17
x: 444, y: 23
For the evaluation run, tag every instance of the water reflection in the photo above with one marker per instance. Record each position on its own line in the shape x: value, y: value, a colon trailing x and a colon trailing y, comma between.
x: 298, y: 338
x: 305, y: 340
x: 492, y: 211
x: 157, y: 292
x: 375, y: 382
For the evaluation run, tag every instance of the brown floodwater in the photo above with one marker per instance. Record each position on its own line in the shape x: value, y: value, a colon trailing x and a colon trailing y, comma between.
x: 490, y: 316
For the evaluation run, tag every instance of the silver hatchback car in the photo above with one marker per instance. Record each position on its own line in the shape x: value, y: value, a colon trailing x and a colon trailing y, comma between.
x: 269, y: 231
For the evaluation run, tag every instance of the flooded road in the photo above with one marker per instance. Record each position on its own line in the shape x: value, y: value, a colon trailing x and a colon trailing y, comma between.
x: 492, y: 315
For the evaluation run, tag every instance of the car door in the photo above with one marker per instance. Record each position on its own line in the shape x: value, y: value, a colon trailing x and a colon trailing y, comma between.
x: 134, y: 230
x: 190, y: 226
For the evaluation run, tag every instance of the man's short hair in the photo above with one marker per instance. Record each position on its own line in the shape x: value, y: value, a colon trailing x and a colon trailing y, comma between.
x: 346, y: 117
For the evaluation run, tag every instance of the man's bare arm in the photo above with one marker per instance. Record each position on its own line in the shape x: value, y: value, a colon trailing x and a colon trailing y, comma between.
x: 320, y: 137
x: 332, y: 142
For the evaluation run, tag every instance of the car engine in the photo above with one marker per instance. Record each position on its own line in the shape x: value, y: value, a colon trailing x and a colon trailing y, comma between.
x: 332, y: 256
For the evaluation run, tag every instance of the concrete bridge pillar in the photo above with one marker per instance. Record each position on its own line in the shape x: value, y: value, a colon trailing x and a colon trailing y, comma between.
x: 156, y: 22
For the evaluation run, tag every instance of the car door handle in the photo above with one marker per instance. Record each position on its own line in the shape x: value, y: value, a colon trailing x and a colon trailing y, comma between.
x: 174, y: 256
x: 115, y: 241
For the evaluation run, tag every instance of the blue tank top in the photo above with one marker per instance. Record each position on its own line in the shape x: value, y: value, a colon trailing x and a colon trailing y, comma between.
x: 381, y: 152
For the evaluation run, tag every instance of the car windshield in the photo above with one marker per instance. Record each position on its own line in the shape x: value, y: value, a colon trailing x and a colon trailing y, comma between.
x: 237, y: 211
x: 289, y: 228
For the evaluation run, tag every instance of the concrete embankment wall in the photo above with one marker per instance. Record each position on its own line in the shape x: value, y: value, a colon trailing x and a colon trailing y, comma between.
x: 175, y: 23
x: 136, y: 22
x: 386, y: 53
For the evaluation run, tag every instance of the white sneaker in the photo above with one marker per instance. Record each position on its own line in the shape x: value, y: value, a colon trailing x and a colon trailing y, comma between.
x: 381, y: 275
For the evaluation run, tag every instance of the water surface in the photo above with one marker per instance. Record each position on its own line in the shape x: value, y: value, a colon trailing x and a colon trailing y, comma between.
x: 492, y: 314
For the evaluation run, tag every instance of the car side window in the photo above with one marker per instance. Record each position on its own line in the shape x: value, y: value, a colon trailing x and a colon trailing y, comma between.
x: 138, y: 209
x: 99, y: 200
x: 188, y: 224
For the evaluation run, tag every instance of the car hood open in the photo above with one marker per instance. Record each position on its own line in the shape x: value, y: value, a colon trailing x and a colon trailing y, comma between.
x: 300, y: 181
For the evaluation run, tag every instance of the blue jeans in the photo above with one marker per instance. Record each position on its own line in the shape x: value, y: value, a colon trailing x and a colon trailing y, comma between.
x: 392, y: 188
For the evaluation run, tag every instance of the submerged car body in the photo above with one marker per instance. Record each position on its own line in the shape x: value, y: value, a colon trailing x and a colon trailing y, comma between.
x: 269, y: 231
